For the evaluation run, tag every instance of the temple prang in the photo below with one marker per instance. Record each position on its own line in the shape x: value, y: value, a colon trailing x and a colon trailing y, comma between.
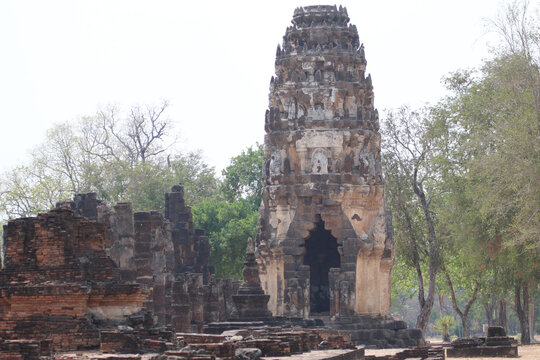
x: 323, y: 245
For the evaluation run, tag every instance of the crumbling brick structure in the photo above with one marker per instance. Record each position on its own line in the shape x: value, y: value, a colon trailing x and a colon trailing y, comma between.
x: 83, y: 267
x: 58, y: 278
x: 170, y: 257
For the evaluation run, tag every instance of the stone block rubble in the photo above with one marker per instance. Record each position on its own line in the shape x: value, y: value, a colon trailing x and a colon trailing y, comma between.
x: 495, y: 344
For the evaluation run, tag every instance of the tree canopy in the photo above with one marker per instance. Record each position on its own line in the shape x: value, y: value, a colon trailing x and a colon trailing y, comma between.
x: 473, y: 162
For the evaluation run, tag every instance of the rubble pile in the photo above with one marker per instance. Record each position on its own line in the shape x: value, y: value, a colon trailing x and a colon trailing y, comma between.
x: 495, y: 344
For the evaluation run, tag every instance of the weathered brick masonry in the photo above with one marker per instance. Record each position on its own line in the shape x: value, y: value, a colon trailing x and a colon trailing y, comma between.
x: 58, y: 278
x: 84, y: 267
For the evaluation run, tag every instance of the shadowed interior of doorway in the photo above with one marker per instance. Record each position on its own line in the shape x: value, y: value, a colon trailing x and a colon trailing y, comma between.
x: 321, y: 255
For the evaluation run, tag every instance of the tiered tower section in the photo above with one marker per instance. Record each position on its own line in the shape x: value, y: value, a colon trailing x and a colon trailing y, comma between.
x: 323, y: 244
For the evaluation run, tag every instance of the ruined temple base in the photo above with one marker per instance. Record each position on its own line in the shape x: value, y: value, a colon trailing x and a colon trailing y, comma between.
x: 496, y: 344
x: 376, y: 331
x: 335, y: 354
x: 372, y: 331
x: 276, y: 321
x: 483, y: 351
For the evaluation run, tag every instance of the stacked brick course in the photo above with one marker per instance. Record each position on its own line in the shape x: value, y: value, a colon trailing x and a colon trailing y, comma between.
x: 58, y: 278
x: 25, y: 350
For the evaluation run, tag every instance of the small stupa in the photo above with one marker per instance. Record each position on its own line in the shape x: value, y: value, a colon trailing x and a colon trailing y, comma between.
x: 251, y: 302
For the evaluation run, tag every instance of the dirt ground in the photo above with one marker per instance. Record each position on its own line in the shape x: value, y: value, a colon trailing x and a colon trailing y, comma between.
x: 525, y: 352
x: 528, y: 352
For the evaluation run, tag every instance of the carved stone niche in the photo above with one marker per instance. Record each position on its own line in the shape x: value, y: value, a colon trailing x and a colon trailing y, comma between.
x: 366, y: 162
x: 319, y: 161
x: 317, y: 112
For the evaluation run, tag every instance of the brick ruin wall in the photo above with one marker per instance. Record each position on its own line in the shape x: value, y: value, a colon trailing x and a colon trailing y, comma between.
x: 84, y: 267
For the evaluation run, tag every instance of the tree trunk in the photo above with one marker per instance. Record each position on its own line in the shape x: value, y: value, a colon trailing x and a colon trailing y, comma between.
x: 531, y: 319
x: 488, y: 308
x: 463, y: 315
x: 425, y: 310
x: 522, y: 311
x: 501, y: 312
x: 441, y: 300
x: 433, y: 255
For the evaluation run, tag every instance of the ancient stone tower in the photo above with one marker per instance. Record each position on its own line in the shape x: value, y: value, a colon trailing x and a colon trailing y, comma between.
x: 323, y: 239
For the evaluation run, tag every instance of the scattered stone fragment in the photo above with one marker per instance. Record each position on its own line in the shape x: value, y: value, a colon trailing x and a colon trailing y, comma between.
x: 247, y: 354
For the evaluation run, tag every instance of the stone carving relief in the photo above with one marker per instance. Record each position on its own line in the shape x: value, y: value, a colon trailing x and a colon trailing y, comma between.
x: 366, y: 162
x: 301, y: 111
x: 318, y: 112
x: 275, y: 163
x: 319, y: 162
x: 291, y: 111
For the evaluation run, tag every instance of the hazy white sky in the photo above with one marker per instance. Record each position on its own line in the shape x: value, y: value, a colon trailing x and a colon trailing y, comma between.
x: 212, y: 60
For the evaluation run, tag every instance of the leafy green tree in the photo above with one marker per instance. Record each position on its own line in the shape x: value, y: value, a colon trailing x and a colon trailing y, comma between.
x: 497, y: 112
x: 228, y: 225
x: 242, y: 179
x: 231, y: 216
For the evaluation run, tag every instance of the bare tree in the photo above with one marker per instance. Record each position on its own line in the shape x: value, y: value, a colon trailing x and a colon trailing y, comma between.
x: 145, y: 132
x: 98, y: 153
x: 408, y: 147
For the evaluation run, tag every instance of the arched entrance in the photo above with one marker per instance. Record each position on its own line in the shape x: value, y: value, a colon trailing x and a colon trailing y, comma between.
x: 321, y: 255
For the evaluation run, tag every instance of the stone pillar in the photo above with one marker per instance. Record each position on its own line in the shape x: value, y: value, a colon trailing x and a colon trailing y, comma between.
x: 122, y: 249
x: 196, y: 301
x: 143, y: 255
x: 180, y: 308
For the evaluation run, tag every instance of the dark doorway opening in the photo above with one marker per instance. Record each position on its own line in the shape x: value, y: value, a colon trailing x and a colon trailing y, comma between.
x: 321, y: 255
